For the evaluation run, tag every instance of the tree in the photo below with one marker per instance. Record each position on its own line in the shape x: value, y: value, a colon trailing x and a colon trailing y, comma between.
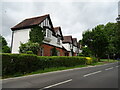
x: 3, y: 45
x: 96, y: 41
x: 53, y: 52
x: 86, y: 52
x: 117, y: 41
x: 110, y: 31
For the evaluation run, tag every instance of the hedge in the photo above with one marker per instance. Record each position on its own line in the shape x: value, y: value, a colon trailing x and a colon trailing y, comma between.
x: 26, y: 63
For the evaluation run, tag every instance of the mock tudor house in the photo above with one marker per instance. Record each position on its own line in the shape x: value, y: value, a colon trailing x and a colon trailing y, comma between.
x: 75, y: 48
x: 65, y: 45
x: 68, y: 45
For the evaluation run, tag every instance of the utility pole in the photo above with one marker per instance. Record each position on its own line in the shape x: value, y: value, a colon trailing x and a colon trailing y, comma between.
x: 118, y: 18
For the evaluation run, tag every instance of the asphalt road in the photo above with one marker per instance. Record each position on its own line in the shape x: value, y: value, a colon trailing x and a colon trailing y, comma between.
x: 101, y: 76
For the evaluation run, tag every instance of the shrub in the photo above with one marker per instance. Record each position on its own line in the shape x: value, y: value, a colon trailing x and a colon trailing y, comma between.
x: 29, y: 46
x: 80, y: 54
x: 89, y: 60
x: 29, y: 52
x: 26, y: 63
x: 6, y: 49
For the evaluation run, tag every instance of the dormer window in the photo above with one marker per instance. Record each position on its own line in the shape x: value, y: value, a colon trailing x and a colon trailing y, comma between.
x: 48, y: 33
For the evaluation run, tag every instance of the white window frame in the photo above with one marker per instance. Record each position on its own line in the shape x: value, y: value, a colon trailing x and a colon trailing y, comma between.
x: 48, y: 33
x: 58, y: 40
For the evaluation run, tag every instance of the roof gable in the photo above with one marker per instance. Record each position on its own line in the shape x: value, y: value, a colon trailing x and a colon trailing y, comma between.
x: 74, y: 41
x: 67, y: 39
x: 27, y: 23
x: 58, y: 31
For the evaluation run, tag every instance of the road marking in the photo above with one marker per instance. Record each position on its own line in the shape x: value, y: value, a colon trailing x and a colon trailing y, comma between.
x: 91, y: 73
x: 57, y: 84
x: 109, y: 68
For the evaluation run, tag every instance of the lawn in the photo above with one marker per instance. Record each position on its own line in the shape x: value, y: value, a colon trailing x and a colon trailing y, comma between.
x: 108, y: 60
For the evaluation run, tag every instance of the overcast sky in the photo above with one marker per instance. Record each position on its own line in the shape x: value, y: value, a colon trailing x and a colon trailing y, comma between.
x: 73, y: 17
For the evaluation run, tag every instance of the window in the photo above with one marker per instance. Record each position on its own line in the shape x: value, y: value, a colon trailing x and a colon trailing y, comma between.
x: 58, y: 40
x: 48, y: 33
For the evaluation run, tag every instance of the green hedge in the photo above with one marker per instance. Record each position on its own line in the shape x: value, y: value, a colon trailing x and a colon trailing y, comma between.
x: 26, y: 63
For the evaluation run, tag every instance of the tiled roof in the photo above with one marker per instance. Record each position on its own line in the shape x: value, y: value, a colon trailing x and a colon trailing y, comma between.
x: 30, y: 22
x: 67, y: 39
x: 58, y: 28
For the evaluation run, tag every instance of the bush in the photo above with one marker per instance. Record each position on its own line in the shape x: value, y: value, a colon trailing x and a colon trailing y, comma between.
x: 29, y: 52
x: 26, y: 63
x: 6, y: 49
x: 29, y: 46
x: 90, y: 60
x: 80, y: 54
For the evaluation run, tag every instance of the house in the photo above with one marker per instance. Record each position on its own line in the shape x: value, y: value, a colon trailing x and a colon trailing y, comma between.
x: 64, y: 45
x: 75, y: 48
x: 79, y: 46
x: 68, y: 45
x: 53, y: 37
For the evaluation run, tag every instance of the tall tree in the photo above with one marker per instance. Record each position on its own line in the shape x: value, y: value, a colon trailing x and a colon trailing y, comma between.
x: 110, y: 30
x: 3, y: 45
x: 96, y: 41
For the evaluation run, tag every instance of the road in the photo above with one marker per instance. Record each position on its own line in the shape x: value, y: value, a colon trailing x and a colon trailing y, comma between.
x: 100, y: 76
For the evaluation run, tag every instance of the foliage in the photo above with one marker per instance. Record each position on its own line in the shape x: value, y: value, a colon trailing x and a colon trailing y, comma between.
x: 89, y: 60
x: 103, y: 41
x: 6, y: 49
x: 26, y: 63
x: 29, y: 46
x: 96, y: 40
x: 3, y: 45
x: 29, y: 52
x: 117, y: 41
x: 80, y: 54
x: 110, y: 30
x: 36, y: 35
x: 35, y: 41
x: 86, y: 52
x: 53, y: 52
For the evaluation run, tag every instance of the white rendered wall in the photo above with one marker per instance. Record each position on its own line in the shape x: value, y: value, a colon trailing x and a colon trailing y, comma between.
x: 67, y: 46
x: 74, y: 49
x: 19, y: 36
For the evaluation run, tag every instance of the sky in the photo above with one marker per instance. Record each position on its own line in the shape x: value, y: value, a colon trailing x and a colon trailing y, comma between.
x: 74, y: 17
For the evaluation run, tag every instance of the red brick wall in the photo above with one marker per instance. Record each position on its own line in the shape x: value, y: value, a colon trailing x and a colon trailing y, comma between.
x: 75, y: 54
x: 47, y: 48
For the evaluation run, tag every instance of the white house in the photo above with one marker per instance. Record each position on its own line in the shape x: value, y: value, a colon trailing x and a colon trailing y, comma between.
x: 65, y: 46
x: 53, y: 37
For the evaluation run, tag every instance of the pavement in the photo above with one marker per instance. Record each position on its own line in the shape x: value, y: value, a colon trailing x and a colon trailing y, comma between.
x: 100, y: 76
